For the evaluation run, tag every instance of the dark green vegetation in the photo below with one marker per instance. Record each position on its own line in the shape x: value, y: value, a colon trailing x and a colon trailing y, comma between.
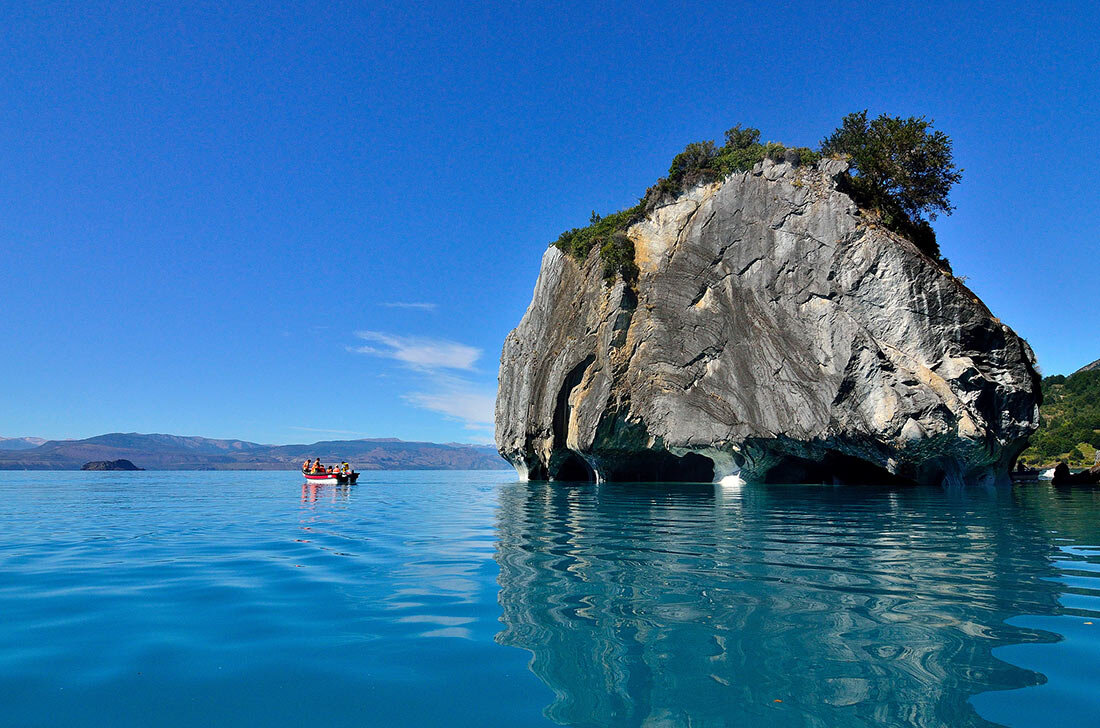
x: 900, y: 168
x: 608, y: 234
x: 1070, y: 417
x: 704, y: 162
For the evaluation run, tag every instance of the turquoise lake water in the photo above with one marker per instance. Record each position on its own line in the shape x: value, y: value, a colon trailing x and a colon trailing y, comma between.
x: 469, y: 599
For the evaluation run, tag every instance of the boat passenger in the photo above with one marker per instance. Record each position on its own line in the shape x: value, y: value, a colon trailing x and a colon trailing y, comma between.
x: 306, y: 464
x: 345, y: 467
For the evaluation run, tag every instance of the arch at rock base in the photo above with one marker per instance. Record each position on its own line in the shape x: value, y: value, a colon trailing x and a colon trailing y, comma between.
x: 571, y: 467
x: 834, y: 468
x: 655, y: 466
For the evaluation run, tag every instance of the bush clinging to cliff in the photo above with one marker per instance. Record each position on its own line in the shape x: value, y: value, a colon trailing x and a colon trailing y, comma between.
x: 900, y: 167
x: 579, y: 242
x: 898, y: 162
x: 705, y: 162
x: 617, y: 254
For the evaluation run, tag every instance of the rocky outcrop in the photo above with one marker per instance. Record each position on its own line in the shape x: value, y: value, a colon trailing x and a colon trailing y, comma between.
x: 1063, y: 476
x: 775, y: 333
x: 110, y: 465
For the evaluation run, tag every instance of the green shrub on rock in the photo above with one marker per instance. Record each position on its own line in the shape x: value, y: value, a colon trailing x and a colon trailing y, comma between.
x: 617, y: 254
x: 696, y: 157
x: 738, y: 138
x: 741, y: 151
x: 579, y: 242
x: 900, y: 167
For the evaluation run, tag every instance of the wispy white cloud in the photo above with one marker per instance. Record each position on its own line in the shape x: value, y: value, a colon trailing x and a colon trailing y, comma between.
x: 465, y: 403
x: 419, y: 305
x: 445, y: 385
x: 419, y: 352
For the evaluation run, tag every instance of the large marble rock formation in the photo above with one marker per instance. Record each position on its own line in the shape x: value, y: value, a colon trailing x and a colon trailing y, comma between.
x: 775, y: 333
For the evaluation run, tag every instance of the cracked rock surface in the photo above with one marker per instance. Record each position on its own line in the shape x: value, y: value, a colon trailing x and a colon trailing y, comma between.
x: 775, y: 333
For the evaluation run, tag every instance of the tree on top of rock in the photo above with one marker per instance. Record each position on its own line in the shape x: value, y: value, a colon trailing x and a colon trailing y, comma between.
x: 901, y: 167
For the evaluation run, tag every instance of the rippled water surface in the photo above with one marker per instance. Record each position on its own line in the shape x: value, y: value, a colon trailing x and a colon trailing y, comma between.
x: 186, y: 599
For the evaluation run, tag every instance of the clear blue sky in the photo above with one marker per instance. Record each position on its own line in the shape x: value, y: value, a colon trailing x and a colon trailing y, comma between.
x: 176, y: 182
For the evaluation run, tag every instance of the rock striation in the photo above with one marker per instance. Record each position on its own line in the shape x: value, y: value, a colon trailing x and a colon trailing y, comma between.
x: 775, y: 333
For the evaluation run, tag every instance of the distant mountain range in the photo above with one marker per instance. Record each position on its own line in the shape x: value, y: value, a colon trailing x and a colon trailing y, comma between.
x: 20, y: 443
x: 173, y: 452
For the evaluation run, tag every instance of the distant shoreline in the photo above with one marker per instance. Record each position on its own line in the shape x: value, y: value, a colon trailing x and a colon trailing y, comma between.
x: 176, y: 452
x: 6, y: 468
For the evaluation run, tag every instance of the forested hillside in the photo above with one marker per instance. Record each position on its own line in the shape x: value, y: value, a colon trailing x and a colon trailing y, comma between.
x: 1070, y: 417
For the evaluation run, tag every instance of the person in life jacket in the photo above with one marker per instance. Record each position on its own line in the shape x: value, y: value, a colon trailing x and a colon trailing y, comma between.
x: 306, y: 464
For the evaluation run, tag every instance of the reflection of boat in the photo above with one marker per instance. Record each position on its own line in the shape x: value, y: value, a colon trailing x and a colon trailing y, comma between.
x: 331, y: 477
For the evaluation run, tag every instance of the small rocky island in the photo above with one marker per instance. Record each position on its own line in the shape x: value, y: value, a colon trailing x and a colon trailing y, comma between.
x: 110, y: 465
x: 761, y: 324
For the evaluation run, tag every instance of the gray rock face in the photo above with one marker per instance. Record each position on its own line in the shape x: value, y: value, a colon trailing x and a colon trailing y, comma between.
x: 775, y: 334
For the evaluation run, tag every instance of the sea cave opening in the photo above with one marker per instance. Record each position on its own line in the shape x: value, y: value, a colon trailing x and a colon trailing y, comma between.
x: 833, y: 468
x: 563, y: 410
x: 658, y: 467
x: 572, y: 467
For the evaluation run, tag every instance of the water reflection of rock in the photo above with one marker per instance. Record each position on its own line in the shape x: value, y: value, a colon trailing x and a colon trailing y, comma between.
x: 704, y: 606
